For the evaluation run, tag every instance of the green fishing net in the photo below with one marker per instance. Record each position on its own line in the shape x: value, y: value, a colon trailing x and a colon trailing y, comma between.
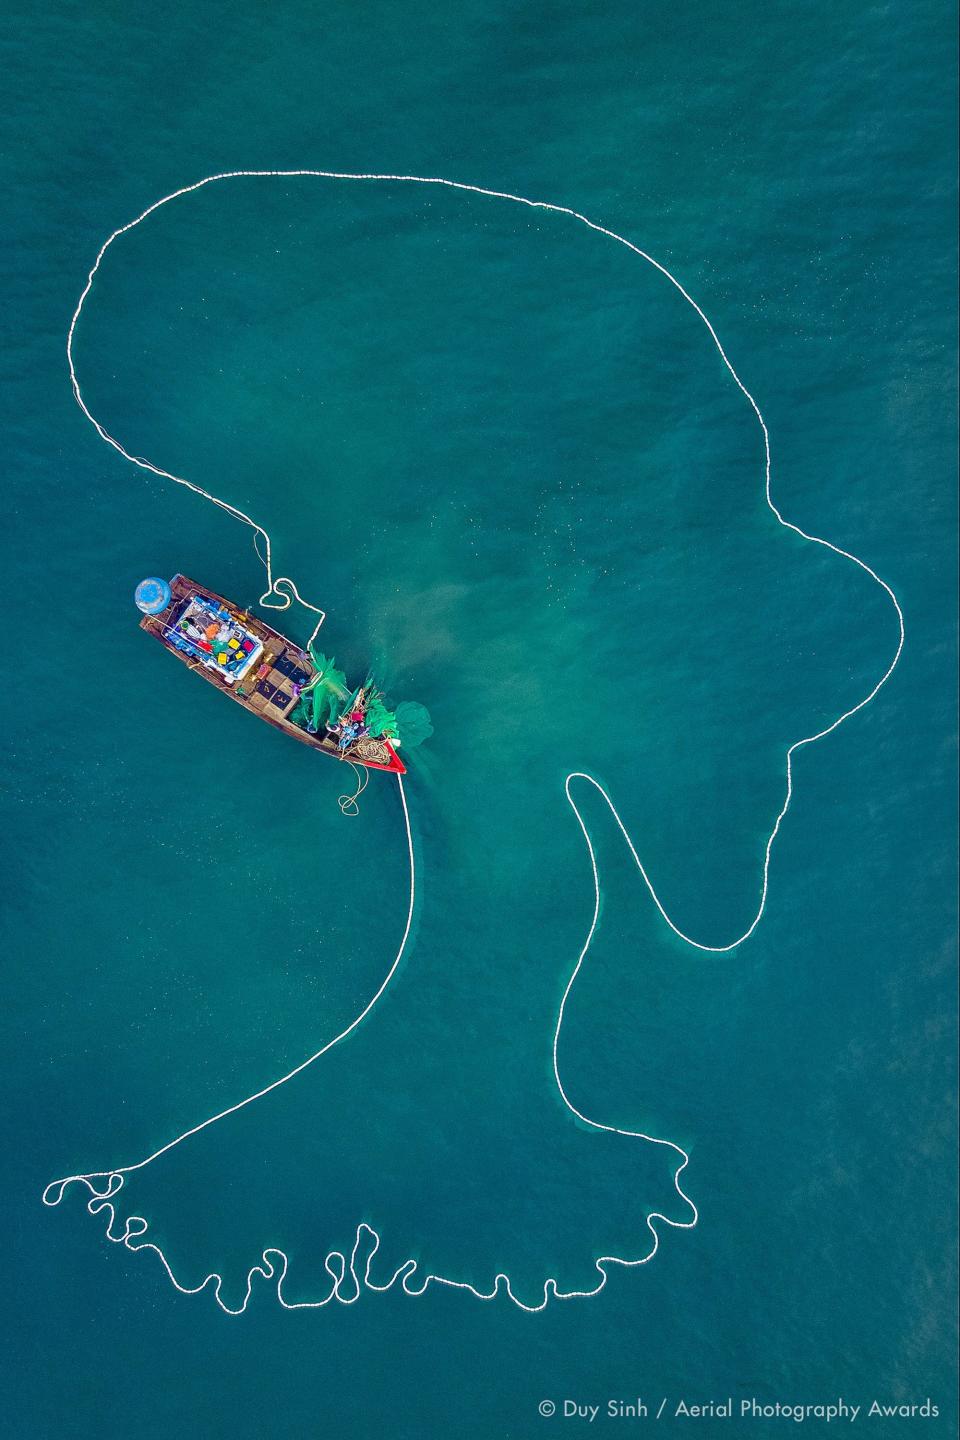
x: 379, y: 720
x: 413, y: 723
x: 322, y: 700
x: 327, y: 697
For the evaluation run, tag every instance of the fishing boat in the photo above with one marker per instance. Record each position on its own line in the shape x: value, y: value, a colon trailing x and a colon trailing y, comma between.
x: 297, y: 691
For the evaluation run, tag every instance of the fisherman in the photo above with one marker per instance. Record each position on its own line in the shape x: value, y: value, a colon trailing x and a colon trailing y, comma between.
x: 349, y: 733
x: 359, y: 706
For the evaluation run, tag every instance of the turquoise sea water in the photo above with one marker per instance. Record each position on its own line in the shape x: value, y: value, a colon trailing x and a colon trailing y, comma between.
x: 503, y: 454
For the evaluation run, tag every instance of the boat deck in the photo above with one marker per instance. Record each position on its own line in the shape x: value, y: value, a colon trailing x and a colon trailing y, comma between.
x: 267, y: 688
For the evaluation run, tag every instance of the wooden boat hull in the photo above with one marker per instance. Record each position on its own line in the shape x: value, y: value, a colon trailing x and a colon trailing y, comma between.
x: 266, y: 691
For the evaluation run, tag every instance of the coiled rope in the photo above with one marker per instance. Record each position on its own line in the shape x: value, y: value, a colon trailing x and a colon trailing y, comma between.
x: 348, y: 803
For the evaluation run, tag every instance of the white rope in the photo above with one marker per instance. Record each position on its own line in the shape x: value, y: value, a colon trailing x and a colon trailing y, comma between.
x: 347, y: 1281
x: 348, y: 803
